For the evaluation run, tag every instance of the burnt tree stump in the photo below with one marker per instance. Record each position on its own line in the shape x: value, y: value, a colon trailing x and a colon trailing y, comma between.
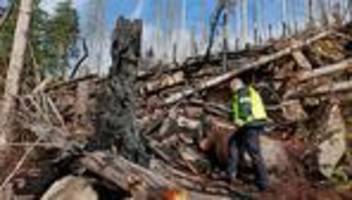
x: 116, y: 120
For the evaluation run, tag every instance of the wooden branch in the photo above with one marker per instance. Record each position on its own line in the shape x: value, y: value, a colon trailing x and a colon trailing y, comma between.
x: 81, y: 60
x: 322, y: 90
x: 20, y: 163
x: 332, y: 88
x: 73, y: 82
x: 302, y: 60
x: 41, y: 86
x: 231, y: 74
x: 323, y: 71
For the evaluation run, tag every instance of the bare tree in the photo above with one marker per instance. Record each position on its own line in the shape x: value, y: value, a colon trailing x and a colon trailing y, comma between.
x: 284, y: 18
x: 309, y: 11
x: 244, y: 21
x: 256, y: 22
x: 95, y: 32
x: 214, y: 21
x: 15, y: 67
x: 324, y: 16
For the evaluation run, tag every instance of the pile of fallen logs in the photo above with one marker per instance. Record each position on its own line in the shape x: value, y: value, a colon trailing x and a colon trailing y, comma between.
x: 305, y: 83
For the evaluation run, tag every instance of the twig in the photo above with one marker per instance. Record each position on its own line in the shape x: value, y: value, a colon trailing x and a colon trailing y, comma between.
x: 58, y: 115
x: 28, y: 144
x: 20, y: 163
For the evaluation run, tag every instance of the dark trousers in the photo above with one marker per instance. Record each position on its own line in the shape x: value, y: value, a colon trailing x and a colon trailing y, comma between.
x: 247, y: 140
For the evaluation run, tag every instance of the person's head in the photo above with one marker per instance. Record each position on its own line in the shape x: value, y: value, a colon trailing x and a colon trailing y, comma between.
x: 236, y: 84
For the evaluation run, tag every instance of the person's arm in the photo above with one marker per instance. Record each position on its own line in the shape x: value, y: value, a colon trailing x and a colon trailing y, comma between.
x: 233, y: 107
x: 234, y: 114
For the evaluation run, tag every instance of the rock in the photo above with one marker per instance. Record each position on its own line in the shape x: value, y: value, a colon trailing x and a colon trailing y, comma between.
x: 333, y: 148
x: 274, y: 154
x: 191, y: 124
x: 71, y: 188
x: 293, y: 111
x: 273, y: 151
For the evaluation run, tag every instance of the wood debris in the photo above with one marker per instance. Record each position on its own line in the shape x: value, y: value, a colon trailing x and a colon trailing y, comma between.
x: 182, y: 109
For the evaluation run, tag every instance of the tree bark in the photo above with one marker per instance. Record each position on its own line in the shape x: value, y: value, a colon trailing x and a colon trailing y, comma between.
x: 136, y: 179
x: 116, y: 125
x: 15, y: 67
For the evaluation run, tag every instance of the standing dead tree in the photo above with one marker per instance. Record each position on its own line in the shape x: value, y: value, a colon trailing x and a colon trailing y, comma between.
x: 81, y: 60
x: 214, y: 22
x: 116, y: 120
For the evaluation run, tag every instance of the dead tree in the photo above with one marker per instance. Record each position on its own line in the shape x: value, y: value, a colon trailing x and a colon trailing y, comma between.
x: 15, y: 66
x: 244, y: 22
x: 221, y: 6
x: 225, y: 46
x: 310, y: 14
x: 116, y: 121
x: 213, y: 25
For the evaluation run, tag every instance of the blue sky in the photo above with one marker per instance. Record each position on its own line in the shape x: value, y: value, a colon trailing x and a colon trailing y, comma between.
x: 197, y: 11
x: 192, y: 19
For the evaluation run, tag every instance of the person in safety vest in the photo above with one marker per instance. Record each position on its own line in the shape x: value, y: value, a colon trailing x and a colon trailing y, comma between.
x: 248, y: 113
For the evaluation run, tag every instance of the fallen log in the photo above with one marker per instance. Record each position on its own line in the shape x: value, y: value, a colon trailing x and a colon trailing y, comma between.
x: 323, y: 71
x: 332, y: 88
x: 302, y: 60
x: 322, y: 90
x: 231, y: 74
x: 123, y: 173
x: 163, y: 82
x: 134, y: 178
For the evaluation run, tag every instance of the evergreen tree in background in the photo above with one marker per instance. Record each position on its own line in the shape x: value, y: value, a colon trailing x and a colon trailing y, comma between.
x: 52, y: 40
x: 62, y: 32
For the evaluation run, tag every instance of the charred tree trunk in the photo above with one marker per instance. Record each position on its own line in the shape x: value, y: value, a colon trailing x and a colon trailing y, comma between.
x: 116, y: 121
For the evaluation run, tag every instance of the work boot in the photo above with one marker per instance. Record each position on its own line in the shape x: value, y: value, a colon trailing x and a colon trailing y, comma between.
x: 231, y: 177
x: 262, y: 186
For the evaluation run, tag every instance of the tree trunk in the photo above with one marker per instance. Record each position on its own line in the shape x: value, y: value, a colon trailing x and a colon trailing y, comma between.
x: 116, y: 121
x: 244, y: 21
x: 15, y: 67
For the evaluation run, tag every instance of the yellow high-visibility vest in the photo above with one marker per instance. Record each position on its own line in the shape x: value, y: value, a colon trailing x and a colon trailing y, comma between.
x: 257, y: 108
